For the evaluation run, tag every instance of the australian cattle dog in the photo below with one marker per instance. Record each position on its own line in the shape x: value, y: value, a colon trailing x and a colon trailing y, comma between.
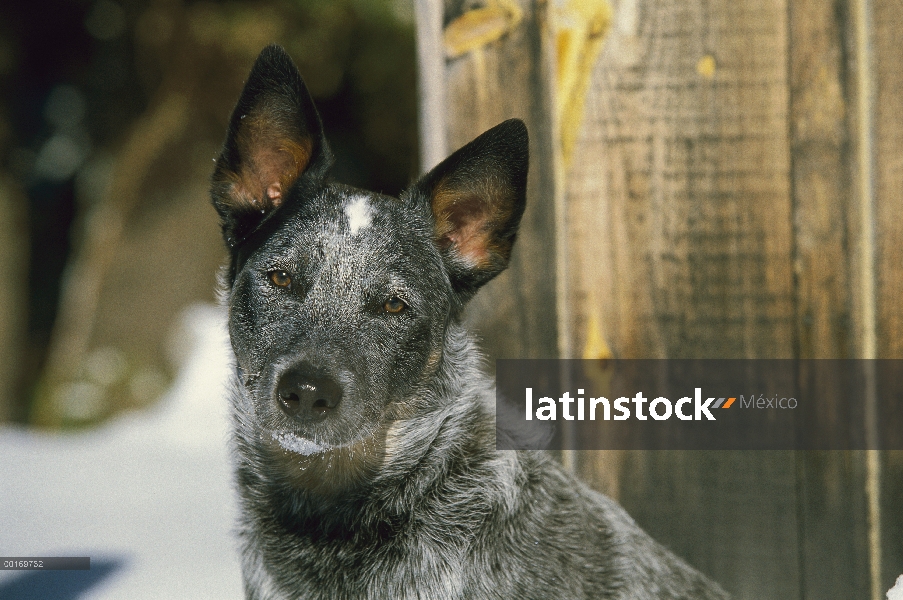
x: 364, y: 435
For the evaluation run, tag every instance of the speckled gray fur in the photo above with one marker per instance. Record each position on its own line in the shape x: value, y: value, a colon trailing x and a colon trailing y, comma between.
x: 398, y: 493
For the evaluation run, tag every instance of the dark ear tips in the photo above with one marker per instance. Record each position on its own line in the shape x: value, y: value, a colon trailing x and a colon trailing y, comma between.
x: 274, y: 54
x: 477, y: 197
x: 275, y: 136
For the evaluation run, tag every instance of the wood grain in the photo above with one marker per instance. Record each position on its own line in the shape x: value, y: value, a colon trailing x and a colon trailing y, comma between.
x: 515, y: 313
x: 887, y: 22
x: 680, y: 228
x: 680, y: 239
x: 713, y: 208
x: 831, y: 499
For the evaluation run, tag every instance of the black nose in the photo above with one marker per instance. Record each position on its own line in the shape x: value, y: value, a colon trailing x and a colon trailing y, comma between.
x: 306, y: 394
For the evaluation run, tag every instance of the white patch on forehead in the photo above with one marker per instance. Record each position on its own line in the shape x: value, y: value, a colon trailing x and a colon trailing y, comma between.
x: 358, y: 213
x: 297, y: 444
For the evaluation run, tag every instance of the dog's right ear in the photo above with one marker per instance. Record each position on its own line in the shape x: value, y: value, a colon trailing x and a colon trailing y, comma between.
x: 275, y: 137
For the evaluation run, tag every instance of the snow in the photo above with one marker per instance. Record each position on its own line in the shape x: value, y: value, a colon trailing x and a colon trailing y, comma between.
x: 297, y: 444
x: 896, y: 592
x: 148, y: 497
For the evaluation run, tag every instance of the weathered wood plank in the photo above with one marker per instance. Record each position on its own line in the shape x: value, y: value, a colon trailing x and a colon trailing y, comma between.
x: 431, y: 79
x: 887, y: 22
x: 680, y: 237
x: 833, y: 525
x: 515, y: 313
x: 832, y: 504
x: 891, y: 518
x: 822, y: 189
x: 702, y: 505
x: 680, y: 223
x: 888, y: 136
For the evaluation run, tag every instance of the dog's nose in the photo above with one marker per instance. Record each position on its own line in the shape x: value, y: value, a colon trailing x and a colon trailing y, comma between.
x: 307, y: 395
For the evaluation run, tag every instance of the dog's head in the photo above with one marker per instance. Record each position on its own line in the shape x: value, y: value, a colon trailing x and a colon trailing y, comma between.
x: 339, y: 299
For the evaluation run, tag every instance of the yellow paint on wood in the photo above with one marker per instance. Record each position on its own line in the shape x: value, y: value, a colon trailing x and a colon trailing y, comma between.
x: 595, y: 346
x: 580, y: 28
x: 600, y: 370
x: 481, y: 26
x: 706, y: 66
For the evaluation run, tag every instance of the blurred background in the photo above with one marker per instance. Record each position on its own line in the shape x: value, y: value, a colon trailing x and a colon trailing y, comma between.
x: 111, y: 113
x: 113, y: 354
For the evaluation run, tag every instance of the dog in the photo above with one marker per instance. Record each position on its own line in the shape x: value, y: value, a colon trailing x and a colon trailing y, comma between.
x: 364, y: 429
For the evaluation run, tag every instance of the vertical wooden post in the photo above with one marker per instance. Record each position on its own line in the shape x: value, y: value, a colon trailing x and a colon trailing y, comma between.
x: 488, y: 80
x: 429, y: 15
x: 887, y: 22
x: 680, y: 245
x: 832, y: 497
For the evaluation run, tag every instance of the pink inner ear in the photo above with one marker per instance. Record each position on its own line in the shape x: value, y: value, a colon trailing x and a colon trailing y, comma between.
x: 463, y: 224
x: 272, y: 164
x: 276, y: 167
x: 274, y: 193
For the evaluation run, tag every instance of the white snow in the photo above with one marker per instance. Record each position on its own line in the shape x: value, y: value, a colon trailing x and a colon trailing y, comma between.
x: 298, y: 444
x: 358, y: 213
x: 896, y: 592
x: 151, y: 490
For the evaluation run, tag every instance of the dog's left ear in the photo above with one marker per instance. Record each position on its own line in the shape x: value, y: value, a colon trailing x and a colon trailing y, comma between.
x: 275, y: 137
x: 477, y: 197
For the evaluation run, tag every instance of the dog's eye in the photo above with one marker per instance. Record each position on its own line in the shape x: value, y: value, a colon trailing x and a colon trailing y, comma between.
x: 394, y: 305
x: 280, y: 278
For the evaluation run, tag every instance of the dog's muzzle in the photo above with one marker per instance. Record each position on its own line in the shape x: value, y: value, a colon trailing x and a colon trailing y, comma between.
x: 306, y: 394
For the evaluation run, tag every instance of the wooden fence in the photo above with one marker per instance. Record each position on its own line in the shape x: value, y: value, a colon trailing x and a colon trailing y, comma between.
x: 709, y: 178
